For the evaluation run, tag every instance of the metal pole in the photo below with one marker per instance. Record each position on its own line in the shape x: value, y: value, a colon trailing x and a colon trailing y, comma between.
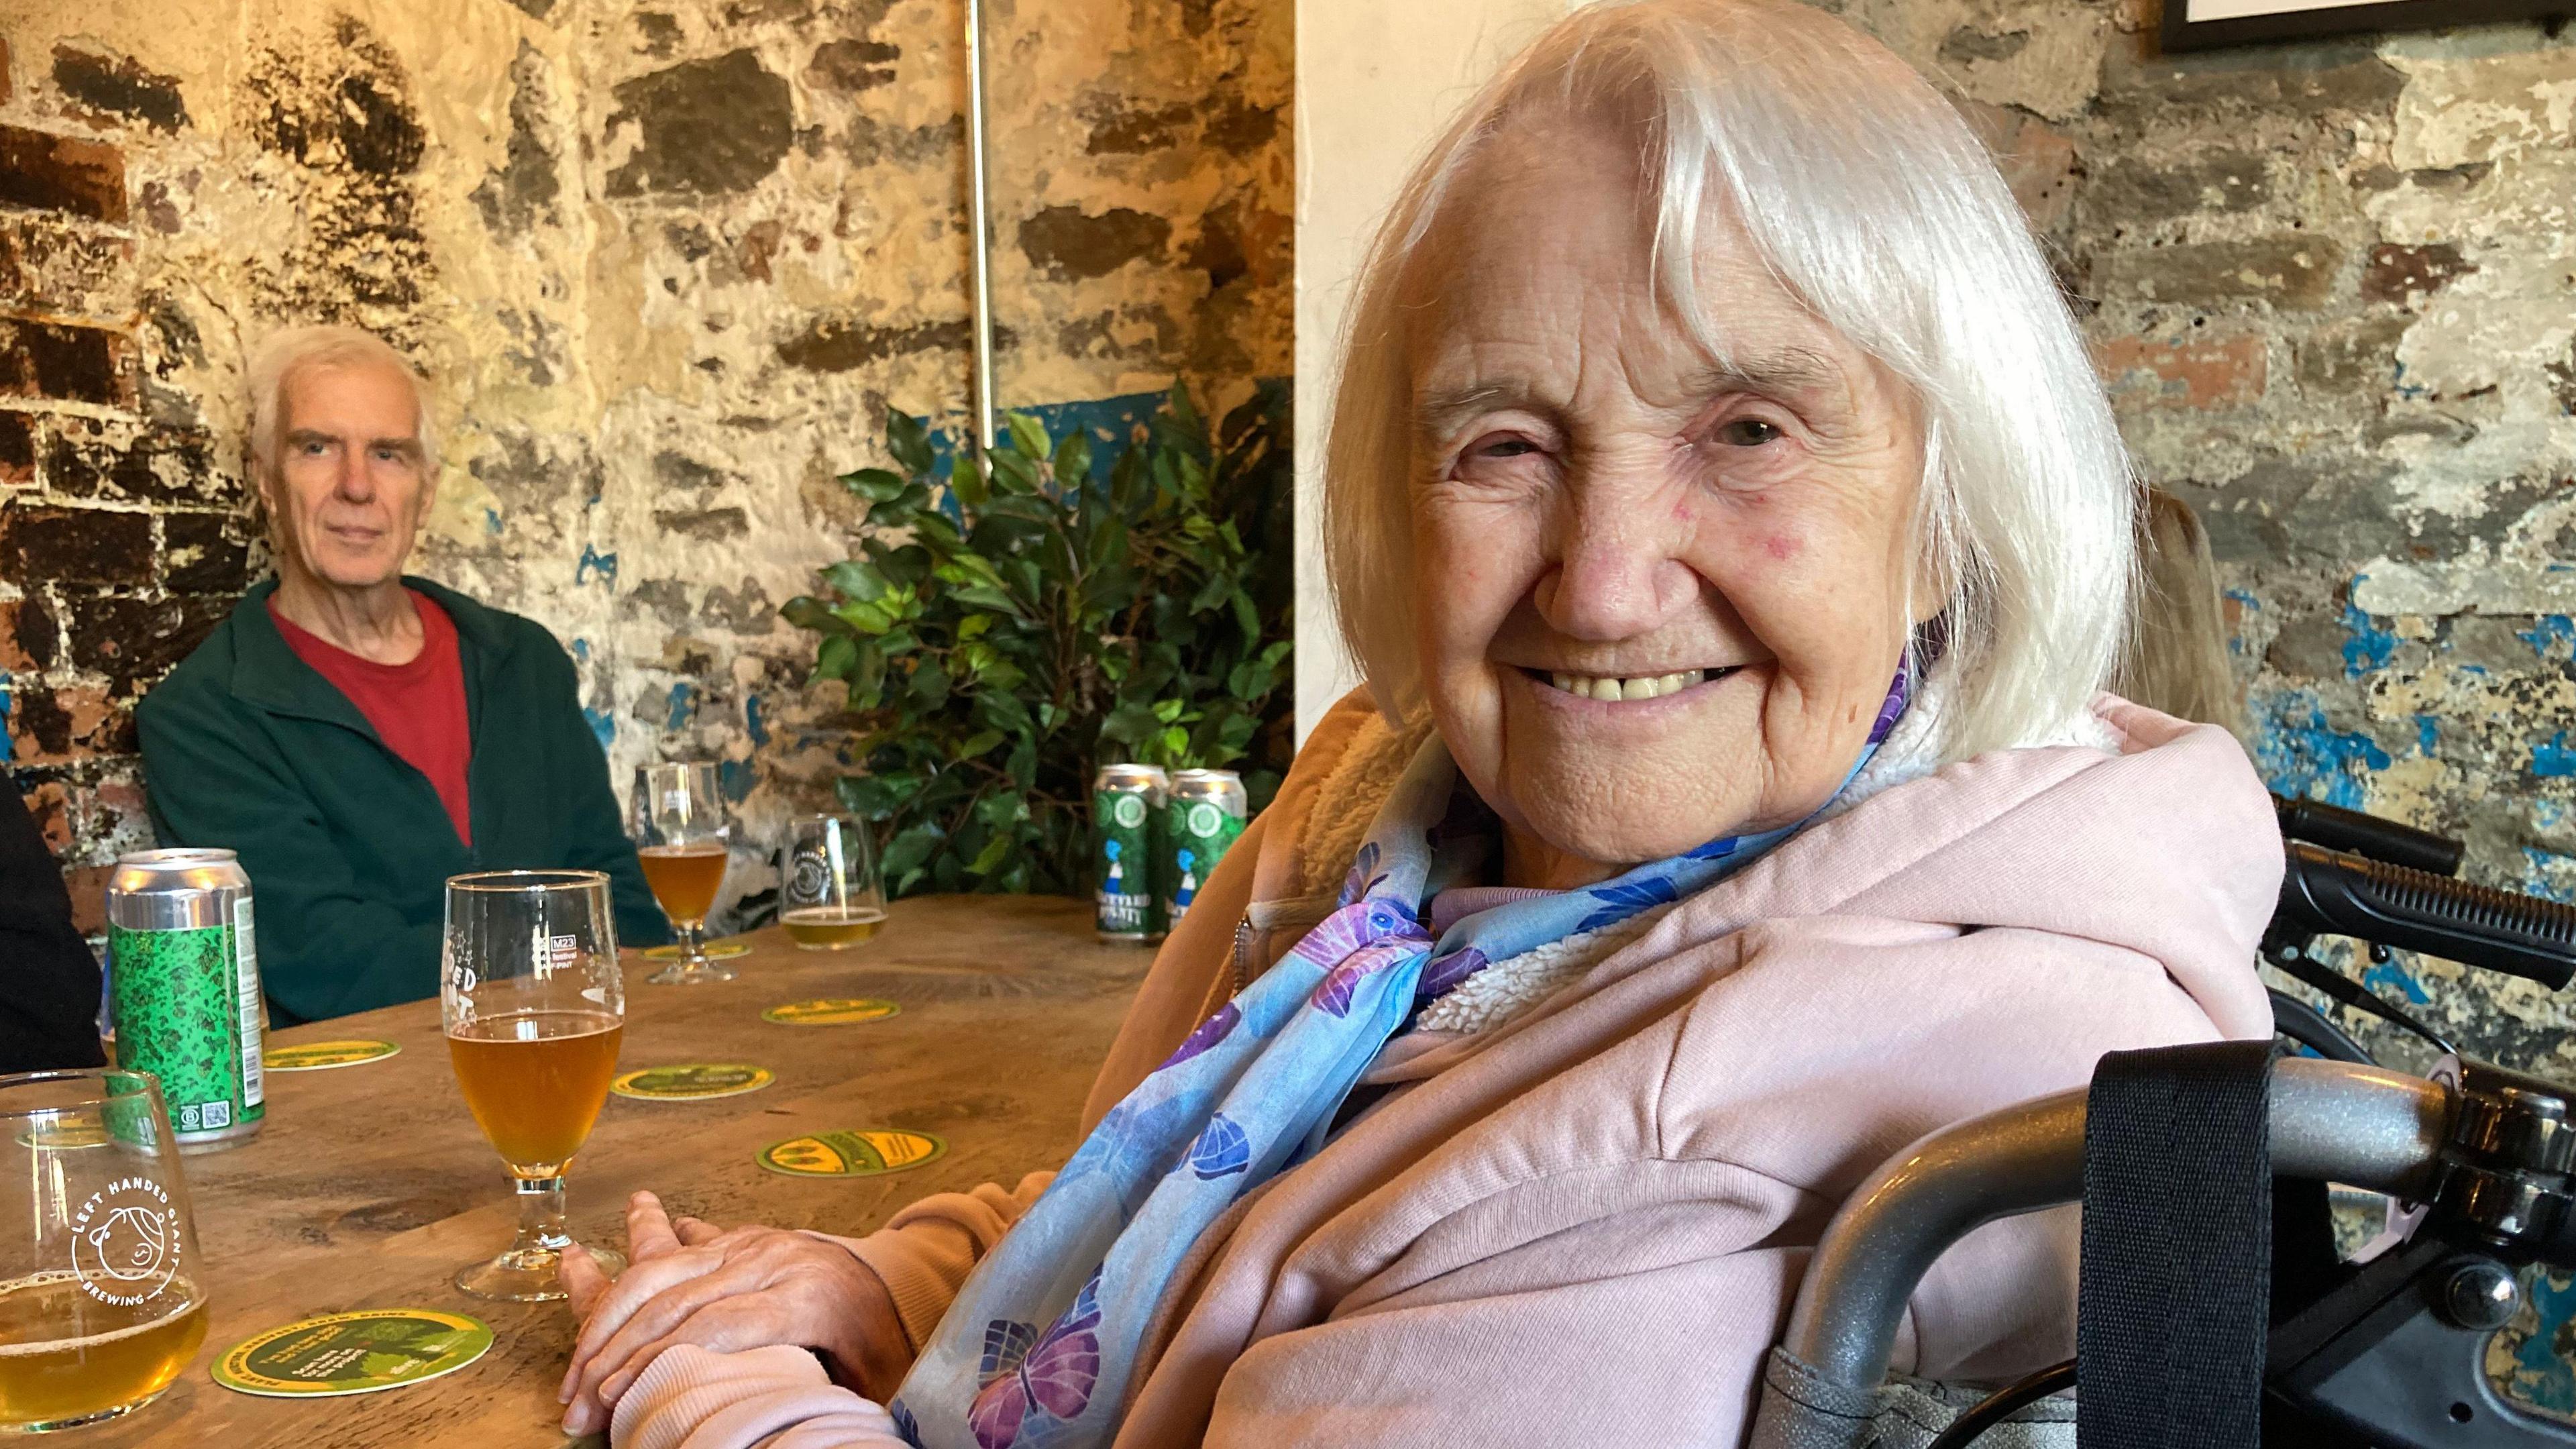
x: 979, y: 207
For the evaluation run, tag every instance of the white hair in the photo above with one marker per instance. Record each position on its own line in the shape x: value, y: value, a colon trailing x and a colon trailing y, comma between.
x: 1869, y: 198
x: 282, y: 355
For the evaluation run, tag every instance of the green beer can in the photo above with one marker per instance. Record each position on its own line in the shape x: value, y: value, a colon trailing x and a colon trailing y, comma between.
x: 1126, y: 808
x: 1202, y: 817
x: 183, y: 989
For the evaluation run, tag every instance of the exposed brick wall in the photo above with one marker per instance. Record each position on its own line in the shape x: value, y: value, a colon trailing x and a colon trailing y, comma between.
x: 123, y: 539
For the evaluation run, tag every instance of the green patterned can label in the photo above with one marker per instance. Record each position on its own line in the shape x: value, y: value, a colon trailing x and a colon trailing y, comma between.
x: 1126, y: 802
x: 186, y: 1007
x: 1204, y: 818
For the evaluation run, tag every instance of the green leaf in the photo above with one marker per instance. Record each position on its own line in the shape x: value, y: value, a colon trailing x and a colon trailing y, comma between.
x: 909, y: 441
x: 856, y: 580
x: 807, y: 612
x: 1027, y: 438
x: 910, y: 849
x: 1168, y: 710
x: 1176, y: 744
x: 978, y: 743
x: 969, y: 484
x: 867, y: 675
x: 1012, y: 473
x: 873, y: 618
x: 839, y: 654
x: 929, y: 684
x: 995, y: 851
x: 1073, y: 460
x: 874, y: 484
x: 1130, y: 724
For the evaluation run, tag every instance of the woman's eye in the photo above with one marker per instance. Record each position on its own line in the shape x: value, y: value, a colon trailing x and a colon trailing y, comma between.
x: 1504, y: 448
x: 1747, y: 433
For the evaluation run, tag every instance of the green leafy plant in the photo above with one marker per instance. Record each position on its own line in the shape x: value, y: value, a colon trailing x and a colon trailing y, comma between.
x: 1012, y: 627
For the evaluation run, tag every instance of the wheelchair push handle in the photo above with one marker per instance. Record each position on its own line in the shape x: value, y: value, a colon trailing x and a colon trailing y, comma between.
x: 2353, y: 833
x: 2364, y: 1126
x: 2326, y: 892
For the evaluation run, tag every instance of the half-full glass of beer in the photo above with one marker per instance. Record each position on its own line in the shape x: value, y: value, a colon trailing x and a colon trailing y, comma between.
x: 682, y: 830
x: 534, y: 1007
x: 829, y: 896
x: 104, y: 1300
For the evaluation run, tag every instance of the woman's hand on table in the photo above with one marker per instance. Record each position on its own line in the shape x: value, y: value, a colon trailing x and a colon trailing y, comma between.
x: 726, y: 1290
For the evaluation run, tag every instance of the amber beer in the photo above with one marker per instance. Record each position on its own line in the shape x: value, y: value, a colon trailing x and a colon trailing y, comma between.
x: 65, y: 1356
x: 828, y: 927
x: 685, y: 878
x: 535, y: 1081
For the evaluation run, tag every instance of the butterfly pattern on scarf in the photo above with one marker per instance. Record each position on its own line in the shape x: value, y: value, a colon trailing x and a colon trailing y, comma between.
x: 1030, y: 1377
x: 1251, y: 1091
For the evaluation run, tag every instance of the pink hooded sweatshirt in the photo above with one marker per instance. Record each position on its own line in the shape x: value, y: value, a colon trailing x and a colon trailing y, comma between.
x: 1587, y: 1225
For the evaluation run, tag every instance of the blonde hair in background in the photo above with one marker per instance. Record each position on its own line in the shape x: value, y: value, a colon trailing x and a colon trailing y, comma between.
x: 281, y: 355
x: 2177, y: 656
x: 1872, y: 201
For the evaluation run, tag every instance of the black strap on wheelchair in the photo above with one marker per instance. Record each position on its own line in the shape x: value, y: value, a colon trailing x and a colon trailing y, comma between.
x: 2173, y: 1311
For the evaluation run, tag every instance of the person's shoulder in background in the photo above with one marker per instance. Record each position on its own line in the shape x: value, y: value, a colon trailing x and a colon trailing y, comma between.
x: 49, y: 981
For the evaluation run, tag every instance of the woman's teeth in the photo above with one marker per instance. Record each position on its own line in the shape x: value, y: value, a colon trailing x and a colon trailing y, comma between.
x: 1647, y: 686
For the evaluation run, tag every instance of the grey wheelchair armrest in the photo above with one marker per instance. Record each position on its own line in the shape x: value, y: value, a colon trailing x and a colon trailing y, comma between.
x: 2364, y: 1126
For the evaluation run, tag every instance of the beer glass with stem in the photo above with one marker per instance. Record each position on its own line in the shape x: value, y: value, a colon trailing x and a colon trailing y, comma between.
x: 682, y: 830
x: 103, y: 1301
x: 529, y: 989
x: 829, y: 895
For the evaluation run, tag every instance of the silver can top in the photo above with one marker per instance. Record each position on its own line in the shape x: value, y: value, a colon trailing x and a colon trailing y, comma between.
x: 1131, y: 777
x: 187, y: 869
x: 1193, y: 777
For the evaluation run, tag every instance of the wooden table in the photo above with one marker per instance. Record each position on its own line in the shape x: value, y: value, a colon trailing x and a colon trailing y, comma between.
x: 370, y: 1184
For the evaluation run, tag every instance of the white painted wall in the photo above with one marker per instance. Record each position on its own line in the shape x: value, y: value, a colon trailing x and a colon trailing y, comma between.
x: 1375, y: 79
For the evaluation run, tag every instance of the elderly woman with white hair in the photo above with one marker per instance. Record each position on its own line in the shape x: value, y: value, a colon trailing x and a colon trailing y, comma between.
x: 1736, y: 542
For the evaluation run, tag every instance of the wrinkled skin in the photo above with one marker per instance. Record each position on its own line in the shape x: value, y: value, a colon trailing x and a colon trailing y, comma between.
x: 1592, y: 495
x: 346, y: 494
x: 1595, y: 495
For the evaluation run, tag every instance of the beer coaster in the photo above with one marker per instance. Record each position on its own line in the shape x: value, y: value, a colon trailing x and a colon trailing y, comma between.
x: 692, y: 1081
x: 316, y: 1056
x: 715, y: 951
x: 830, y: 1011
x: 868, y: 1152
x: 352, y: 1353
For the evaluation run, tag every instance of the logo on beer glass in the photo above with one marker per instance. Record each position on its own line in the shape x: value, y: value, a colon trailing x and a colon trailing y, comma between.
x: 809, y: 878
x: 125, y: 1242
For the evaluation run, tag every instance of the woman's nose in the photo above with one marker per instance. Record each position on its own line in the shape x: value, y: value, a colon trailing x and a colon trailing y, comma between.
x: 1619, y: 573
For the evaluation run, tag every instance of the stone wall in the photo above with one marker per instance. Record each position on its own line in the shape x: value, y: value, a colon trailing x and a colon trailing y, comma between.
x: 668, y: 262
x: 2333, y: 287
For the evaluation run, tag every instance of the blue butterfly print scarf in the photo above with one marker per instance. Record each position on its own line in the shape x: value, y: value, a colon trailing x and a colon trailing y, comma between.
x: 1038, y: 1350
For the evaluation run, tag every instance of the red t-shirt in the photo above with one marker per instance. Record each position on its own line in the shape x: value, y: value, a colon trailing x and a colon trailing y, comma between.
x: 418, y: 708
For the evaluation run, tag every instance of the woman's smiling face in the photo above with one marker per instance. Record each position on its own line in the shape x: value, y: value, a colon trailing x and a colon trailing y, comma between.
x: 1658, y: 600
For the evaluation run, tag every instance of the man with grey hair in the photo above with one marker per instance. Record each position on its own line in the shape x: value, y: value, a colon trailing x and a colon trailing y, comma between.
x: 358, y: 735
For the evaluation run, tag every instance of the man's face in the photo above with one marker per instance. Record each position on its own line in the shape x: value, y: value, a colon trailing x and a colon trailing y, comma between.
x: 349, y: 484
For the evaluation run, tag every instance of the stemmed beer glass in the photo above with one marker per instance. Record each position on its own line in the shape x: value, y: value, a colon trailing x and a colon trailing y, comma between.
x: 534, y: 1009
x: 681, y: 830
x: 102, y: 1298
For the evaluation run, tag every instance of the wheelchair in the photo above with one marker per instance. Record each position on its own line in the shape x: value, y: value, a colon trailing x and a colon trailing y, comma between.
x: 2305, y: 1350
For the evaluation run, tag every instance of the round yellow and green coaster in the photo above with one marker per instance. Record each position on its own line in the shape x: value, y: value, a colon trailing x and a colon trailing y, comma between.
x: 692, y: 1081
x: 352, y: 1353
x: 830, y: 1011
x: 318, y: 1056
x: 867, y: 1152
x: 715, y: 951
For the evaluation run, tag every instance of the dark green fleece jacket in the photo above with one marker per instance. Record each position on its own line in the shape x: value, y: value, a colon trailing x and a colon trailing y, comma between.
x: 246, y: 747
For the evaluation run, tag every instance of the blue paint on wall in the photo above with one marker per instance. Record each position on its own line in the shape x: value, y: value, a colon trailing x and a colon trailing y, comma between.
x: 603, y: 723
x: 2541, y: 1377
x: 2246, y: 603
x: 735, y: 778
x: 2551, y: 636
x: 752, y: 722
x: 2428, y: 734
x: 2551, y: 759
x: 2369, y: 646
x: 2386, y: 975
x: 581, y: 651
x: 8, y: 706
x: 492, y: 521
x: 2303, y: 757
x: 1112, y: 422
x: 591, y: 558
x: 684, y: 698
x: 2539, y: 880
